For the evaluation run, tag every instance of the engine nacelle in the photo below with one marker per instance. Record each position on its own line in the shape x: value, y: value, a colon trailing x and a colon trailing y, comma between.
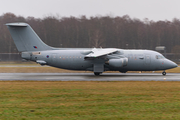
x: 122, y: 62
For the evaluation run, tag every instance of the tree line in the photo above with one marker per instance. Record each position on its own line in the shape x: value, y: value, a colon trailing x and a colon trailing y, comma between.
x: 99, y: 31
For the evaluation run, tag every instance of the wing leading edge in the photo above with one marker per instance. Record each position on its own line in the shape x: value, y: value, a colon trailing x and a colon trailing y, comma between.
x: 100, y: 52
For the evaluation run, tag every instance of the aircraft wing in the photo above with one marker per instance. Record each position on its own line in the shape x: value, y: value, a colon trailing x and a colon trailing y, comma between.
x: 100, y: 52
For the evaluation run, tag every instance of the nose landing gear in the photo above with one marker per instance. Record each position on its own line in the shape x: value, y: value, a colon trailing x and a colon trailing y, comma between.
x: 164, y: 73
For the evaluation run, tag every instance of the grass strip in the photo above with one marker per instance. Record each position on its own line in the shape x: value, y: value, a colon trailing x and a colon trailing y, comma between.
x: 26, y: 100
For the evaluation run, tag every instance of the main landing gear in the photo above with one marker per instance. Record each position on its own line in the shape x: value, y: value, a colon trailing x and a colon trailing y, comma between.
x: 97, y: 73
x: 123, y: 71
x: 164, y: 73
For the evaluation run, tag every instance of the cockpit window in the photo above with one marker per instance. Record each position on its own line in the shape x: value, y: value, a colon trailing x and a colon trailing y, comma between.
x: 159, y: 57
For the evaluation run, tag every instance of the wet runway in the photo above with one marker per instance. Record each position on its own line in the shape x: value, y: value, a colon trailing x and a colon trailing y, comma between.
x: 89, y: 77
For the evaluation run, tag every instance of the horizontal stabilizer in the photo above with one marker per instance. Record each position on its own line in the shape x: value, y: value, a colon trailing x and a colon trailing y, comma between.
x: 41, y: 62
x: 17, y: 24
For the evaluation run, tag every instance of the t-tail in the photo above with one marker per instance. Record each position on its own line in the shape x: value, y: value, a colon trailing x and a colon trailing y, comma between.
x: 25, y: 38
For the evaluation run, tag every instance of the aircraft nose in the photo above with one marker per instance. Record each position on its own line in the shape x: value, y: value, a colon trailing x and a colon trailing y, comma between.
x: 168, y: 64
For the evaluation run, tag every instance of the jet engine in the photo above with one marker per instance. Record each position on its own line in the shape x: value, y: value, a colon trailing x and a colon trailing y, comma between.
x: 121, y: 62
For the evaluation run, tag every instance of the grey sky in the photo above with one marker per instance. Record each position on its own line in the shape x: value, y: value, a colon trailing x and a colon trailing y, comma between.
x: 151, y: 9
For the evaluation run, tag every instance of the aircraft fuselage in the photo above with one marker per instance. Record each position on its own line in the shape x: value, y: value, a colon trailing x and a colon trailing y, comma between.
x: 74, y: 59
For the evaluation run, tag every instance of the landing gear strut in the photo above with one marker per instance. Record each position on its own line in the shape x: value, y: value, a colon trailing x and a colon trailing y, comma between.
x: 163, y: 73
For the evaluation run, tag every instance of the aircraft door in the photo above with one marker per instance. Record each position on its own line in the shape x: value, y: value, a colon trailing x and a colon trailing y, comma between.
x: 148, y: 60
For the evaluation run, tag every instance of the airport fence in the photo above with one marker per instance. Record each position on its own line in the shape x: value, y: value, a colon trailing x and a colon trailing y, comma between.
x: 10, y: 57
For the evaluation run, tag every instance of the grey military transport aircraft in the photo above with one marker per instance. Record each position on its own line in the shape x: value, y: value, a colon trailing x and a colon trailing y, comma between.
x: 97, y: 60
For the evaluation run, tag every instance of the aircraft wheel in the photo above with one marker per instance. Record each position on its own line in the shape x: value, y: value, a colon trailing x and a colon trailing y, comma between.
x: 164, y: 73
x: 97, y: 73
x: 123, y: 71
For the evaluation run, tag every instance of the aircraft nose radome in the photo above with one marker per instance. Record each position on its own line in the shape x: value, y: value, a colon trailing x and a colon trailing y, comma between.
x: 169, y: 64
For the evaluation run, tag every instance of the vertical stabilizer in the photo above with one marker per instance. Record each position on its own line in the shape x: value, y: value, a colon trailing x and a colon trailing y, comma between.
x: 25, y: 38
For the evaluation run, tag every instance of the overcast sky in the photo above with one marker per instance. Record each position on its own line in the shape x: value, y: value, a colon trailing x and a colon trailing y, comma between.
x: 151, y: 9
